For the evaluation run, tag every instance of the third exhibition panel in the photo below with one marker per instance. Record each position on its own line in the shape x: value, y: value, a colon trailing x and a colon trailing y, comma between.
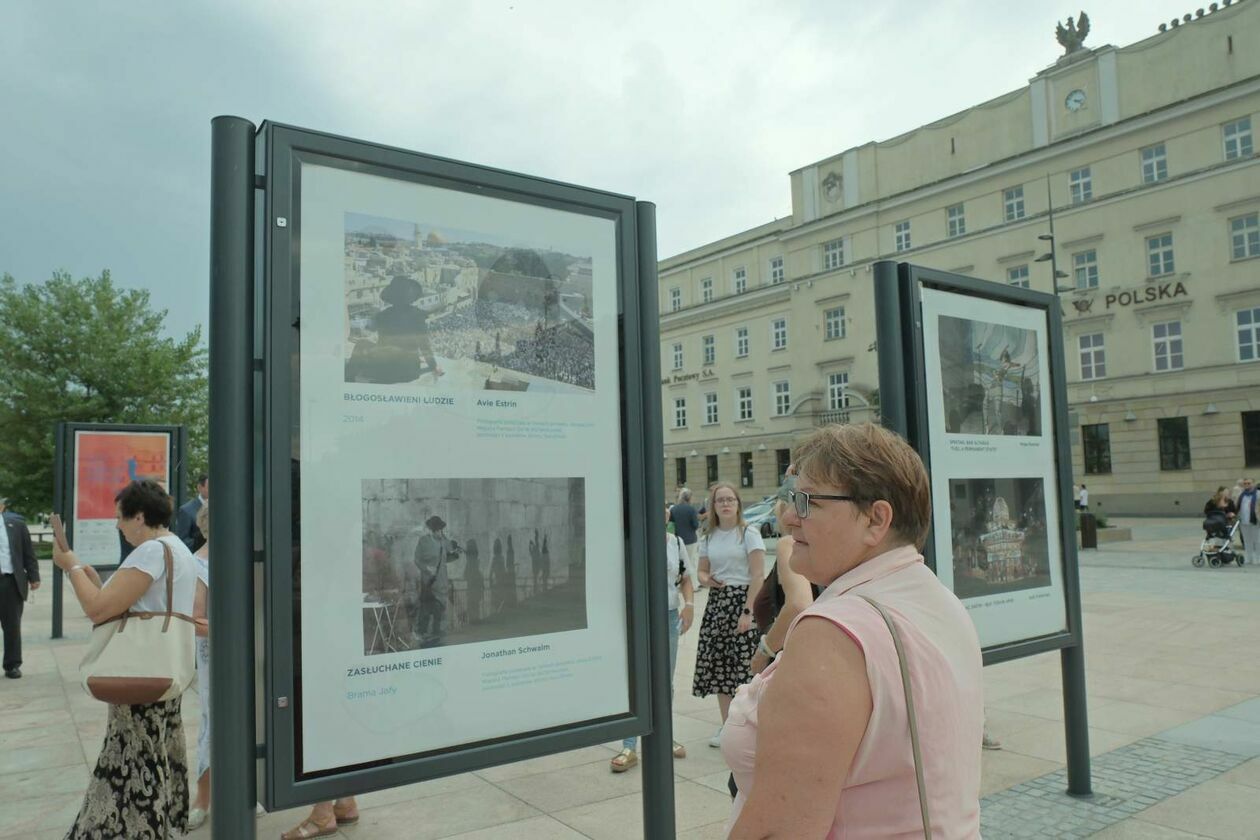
x: 996, y: 511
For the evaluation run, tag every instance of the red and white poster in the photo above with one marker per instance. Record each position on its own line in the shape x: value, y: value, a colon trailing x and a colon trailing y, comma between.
x: 104, y: 463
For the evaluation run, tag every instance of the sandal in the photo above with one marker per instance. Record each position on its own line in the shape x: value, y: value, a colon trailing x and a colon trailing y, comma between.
x: 624, y: 760
x: 307, y: 829
x: 679, y: 750
x: 346, y: 818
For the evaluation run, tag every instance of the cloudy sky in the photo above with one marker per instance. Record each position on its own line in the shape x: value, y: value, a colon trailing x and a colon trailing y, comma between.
x: 701, y: 107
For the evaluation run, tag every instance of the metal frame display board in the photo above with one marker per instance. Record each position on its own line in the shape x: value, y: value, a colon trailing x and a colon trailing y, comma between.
x: 110, y: 461
x: 971, y: 372
x: 395, y: 448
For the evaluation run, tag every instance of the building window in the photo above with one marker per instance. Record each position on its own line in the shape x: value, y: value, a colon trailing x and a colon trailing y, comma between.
x: 1096, y: 441
x: 741, y: 342
x: 1159, y: 255
x: 743, y: 403
x: 1237, y: 135
x: 1154, y: 164
x: 680, y: 412
x: 782, y: 399
x: 1167, y: 338
x: 1017, y: 276
x: 680, y: 471
x: 1013, y: 203
x: 833, y: 323
x: 1251, y: 438
x: 745, y: 469
x: 955, y: 220
x: 706, y: 290
x: 833, y: 254
x: 741, y: 280
x: 777, y: 274
x: 837, y: 391
x: 1093, y: 356
x: 1174, y: 443
x: 675, y: 299
x: 709, y: 347
x: 678, y: 357
x: 778, y: 334
x: 901, y: 235
x: 1081, y: 185
x: 711, y: 468
x: 783, y: 460
x: 1085, y: 268
x: 1248, y: 334
x: 1244, y: 236
x: 710, y: 409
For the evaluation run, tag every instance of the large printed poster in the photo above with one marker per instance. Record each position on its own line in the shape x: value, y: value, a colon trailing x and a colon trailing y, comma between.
x: 462, y: 572
x: 104, y: 463
x: 996, y: 514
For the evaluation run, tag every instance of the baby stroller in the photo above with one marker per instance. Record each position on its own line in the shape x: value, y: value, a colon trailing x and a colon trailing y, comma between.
x: 1217, y: 548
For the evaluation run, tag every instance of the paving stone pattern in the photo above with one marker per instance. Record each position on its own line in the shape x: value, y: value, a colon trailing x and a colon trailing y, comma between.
x: 1126, y: 781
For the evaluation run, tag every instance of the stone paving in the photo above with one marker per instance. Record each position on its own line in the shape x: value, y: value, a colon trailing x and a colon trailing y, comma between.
x: 1173, y: 679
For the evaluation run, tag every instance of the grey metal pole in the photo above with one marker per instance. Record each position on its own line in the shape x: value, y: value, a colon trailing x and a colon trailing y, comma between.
x: 59, y: 505
x: 1076, y: 720
x: 890, y: 348
x: 232, y: 788
x: 658, y: 745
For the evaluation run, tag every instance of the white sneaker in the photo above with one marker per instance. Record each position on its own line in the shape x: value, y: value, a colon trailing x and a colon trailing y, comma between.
x: 716, y: 740
x: 196, y: 818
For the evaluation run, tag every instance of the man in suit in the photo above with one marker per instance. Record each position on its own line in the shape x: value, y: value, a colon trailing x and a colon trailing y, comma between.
x: 19, y: 573
x: 186, y: 520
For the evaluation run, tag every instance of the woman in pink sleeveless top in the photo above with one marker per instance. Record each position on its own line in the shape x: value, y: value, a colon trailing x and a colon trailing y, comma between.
x: 819, y: 742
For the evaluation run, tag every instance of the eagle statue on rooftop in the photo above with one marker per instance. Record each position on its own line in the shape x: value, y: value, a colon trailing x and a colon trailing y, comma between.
x: 1072, y: 36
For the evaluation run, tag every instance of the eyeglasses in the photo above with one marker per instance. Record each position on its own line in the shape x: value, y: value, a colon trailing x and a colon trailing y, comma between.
x: 730, y: 500
x: 800, y: 501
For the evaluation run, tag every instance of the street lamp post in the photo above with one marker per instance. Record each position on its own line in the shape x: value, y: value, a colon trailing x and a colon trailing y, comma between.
x: 1052, y: 256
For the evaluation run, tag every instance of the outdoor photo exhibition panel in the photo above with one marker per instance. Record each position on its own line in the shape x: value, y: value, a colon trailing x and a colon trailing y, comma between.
x: 101, y: 461
x: 458, y: 515
x: 994, y: 477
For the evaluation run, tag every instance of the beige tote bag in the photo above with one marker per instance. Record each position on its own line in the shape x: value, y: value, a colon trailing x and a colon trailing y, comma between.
x: 141, y: 657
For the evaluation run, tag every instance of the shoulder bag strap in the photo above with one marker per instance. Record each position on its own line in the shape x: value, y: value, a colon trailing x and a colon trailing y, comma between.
x: 170, y: 584
x: 910, y: 715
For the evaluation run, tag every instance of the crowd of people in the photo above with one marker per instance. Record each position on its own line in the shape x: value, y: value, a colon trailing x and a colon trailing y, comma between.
x: 561, y: 352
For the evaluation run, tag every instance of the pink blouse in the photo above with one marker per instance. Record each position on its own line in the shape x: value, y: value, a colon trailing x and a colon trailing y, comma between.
x: 880, y: 797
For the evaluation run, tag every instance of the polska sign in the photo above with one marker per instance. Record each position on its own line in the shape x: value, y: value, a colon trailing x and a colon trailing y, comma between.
x: 1149, y: 294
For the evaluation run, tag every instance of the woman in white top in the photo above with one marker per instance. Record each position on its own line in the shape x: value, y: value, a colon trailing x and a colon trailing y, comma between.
x: 732, y: 559
x: 681, y: 604
x: 201, y: 606
x: 139, y: 788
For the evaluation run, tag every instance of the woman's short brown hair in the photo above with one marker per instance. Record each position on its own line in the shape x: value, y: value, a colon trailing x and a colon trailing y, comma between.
x: 872, y: 463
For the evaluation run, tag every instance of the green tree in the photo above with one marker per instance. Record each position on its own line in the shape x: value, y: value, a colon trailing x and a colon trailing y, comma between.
x: 86, y: 351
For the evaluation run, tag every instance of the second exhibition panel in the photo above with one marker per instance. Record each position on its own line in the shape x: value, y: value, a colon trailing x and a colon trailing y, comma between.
x: 457, y: 444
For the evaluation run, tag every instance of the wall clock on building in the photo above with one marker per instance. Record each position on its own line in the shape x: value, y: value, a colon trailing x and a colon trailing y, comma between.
x: 1075, y: 100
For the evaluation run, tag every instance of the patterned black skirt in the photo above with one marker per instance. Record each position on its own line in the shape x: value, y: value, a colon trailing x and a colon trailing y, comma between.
x: 139, y: 789
x: 723, y: 653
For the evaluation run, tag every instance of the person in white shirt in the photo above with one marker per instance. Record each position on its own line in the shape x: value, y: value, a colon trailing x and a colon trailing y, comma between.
x: 140, y: 785
x: 732, y: 565
x: 681, y: 604
x: 1249, y: 521
x: 1083, y: 499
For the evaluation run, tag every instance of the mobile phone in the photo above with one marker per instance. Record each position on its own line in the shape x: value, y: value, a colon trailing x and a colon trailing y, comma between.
x: 59, y: 533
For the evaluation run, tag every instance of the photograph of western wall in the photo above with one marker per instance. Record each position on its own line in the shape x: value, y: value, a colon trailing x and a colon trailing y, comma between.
x: 462, y: 560
x: 474, y: 310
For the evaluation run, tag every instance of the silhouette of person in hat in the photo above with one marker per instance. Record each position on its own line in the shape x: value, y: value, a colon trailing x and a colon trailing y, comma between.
x: 402, y: 352
x: 433, y: 552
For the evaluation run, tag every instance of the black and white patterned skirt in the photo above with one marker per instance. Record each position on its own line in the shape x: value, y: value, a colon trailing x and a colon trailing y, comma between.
x: 139, y: 789
x: 723, y: 653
